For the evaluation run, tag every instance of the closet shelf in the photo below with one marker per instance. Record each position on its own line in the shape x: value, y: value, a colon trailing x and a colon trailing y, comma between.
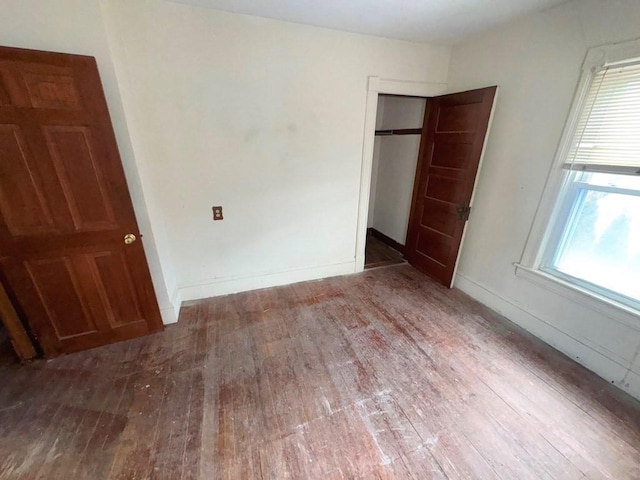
x: 400, y: 131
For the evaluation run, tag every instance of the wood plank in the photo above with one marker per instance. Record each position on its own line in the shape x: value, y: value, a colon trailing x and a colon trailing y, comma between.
x: 17, y: 334
x: 381, y: 252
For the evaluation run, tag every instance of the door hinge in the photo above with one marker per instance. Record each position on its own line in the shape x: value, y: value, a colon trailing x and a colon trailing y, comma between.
x: 463, y: 213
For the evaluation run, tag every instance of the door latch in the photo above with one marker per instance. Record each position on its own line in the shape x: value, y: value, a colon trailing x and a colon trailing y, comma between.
x: 463, y: 213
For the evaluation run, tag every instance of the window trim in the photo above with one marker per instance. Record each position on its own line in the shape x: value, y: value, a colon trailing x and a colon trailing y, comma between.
x: 589, y: 299
x: 545, y: 226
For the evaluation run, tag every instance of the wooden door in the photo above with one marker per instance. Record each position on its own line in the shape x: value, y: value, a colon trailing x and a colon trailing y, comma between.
x: 453, y: 136
x: 65, y: 208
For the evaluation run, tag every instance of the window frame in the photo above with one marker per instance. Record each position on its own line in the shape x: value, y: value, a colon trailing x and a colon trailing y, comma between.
x: 555, y: 203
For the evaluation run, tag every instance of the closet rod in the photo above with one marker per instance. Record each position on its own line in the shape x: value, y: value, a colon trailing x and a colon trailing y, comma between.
x: 400, y: 131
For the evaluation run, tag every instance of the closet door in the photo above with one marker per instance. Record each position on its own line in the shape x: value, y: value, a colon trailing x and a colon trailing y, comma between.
x: 453, y: 136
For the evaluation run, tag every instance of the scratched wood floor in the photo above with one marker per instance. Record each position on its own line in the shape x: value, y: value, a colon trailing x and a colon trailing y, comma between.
x: 377, y: 375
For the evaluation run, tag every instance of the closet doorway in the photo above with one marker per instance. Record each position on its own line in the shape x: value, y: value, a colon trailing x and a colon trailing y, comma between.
x: 399, y: 123
x: 423, y: 179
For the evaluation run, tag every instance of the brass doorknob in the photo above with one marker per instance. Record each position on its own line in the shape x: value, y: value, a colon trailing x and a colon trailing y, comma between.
x: 129, y: 238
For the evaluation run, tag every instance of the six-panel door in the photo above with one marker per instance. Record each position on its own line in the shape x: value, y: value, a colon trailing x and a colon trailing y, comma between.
x: 65, y: 208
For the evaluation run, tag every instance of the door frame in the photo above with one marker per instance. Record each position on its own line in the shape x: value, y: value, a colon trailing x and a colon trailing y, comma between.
x: 379, y: 86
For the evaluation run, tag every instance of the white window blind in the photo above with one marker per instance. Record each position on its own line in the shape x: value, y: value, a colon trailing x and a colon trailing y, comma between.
x: 607, y: 137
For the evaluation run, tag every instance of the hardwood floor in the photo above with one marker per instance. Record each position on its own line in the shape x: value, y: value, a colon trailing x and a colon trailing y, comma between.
x: 379, y: 375
x: 378, y: 254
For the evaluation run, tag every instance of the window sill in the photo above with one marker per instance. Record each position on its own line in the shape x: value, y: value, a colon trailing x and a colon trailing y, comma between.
x: 616, y: 311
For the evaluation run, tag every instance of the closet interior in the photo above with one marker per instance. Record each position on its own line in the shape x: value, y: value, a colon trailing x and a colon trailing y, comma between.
x: 398, y: 132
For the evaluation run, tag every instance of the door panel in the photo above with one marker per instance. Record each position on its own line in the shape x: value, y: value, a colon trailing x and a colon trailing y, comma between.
x: 65, y: 207
x: 445, y: 189
x: 55, y: 279
x: 22, y: 201
x: 74, y: 156
x: 434, y: 245
x: 453, y: 136
x: 452, y: 151
x: 439, y: 216
x: 5, y: 99
x: 57, y: 91
x: 457, y: 118
x: 115, y: 285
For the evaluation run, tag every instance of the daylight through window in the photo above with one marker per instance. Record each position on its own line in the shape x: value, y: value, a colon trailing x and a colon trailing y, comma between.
x: 595, y: 241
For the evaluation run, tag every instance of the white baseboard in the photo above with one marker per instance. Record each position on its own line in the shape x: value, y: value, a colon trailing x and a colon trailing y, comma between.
x: 171, y: 313
x: 631, y: 384
x: 585, y: 355
x: 176, y: 301
x: 225, y: 286
x: 168, y: 315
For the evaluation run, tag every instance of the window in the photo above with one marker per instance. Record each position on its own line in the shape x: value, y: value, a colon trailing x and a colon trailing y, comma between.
x: 593, y: 240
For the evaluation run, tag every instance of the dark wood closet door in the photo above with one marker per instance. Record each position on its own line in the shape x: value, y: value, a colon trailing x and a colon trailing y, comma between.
x: 453, y: 136
x: 65, y: 208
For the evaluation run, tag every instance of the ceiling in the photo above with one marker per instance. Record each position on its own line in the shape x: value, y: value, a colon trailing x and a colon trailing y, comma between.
x: 430, y: 21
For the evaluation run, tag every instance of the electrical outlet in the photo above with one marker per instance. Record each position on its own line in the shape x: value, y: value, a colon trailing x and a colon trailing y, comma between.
x: 217, y: 213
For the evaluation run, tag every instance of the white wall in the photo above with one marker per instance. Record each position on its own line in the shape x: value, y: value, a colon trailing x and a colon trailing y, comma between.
x: 76, y: 26
x: 537, y: 62
x: 397, y: 157
x: 402, y: 112
x: 262, y: 117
